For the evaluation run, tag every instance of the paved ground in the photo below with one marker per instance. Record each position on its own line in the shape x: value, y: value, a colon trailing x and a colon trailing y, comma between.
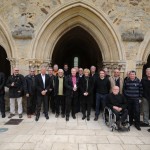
x: 57, y: 134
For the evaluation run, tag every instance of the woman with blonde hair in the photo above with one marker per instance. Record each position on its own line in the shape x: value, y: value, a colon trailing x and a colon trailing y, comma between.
x: 86, y: 89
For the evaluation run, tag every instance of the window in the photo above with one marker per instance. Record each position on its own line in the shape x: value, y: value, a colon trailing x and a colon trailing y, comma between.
x: 76, y: 61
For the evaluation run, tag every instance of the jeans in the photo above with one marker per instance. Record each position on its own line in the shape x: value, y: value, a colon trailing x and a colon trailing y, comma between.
x: 100, y: 100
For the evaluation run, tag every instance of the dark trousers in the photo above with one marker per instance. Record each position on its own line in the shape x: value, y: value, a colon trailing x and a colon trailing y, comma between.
x: 134, y: 111
x: 31, y: 104
x: 60, y: 104
x: 40, y: 100
x: 71, y: 103
x: 51, y: 102
x: 86, y: 105
x: 2, y: 104
x: 100, y: 100
x: 120, y: 116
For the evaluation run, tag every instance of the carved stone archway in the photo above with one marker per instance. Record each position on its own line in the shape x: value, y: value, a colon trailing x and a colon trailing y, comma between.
x: 95, y: 22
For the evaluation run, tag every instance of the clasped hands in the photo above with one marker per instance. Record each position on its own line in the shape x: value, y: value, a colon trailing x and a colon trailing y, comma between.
x: 117, y: 108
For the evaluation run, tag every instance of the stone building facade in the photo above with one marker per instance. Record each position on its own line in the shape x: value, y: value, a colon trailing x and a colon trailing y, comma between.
x: 112, y: 33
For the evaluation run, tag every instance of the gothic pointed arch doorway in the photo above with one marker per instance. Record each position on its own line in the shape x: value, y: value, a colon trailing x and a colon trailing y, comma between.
x: 77, y: 44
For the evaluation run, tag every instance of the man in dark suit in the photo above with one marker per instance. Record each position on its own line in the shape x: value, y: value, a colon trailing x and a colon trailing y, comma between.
x: 2, y: 93
x: 51, y: 101
x: 42, y: 88
x: 30, y: 92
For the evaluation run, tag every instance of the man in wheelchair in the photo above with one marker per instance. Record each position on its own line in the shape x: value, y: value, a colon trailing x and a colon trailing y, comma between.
x: 118, y: 104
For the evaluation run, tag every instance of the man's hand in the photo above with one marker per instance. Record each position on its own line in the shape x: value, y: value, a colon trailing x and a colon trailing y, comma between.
x: 75, y: 88
x: 13, y: 84
x: 27, y: 95
x: 117, y: 108
x: 85, y: 93
x: 43, y: 92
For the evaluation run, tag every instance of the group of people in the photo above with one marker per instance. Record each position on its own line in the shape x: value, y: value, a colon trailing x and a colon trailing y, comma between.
x: 67, y: 92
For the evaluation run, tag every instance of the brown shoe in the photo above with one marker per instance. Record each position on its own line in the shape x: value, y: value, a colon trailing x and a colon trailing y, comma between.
x: 29, y: 116
x: 11, y: 115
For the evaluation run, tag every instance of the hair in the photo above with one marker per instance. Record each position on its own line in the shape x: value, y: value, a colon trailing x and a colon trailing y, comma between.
x: 86, y: 70
x: 50, y: 68
x: 147, y: 69
x: 60, y: 70
x: 101, y: 70
x: 132, y: 71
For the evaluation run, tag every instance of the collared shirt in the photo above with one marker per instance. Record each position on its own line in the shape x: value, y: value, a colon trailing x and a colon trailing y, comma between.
x: 43, y: 78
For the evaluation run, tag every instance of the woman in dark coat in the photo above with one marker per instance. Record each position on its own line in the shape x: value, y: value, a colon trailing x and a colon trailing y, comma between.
x: 86, y: 89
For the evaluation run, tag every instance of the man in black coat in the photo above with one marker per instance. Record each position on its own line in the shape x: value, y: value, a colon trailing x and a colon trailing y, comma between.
x: 146, y: 98
x: 2, y: 93
x: 59, y: 93
x: 42, y: 89
x: 51, y: 101
x: 15, y: 83
x: 71, y: 85
x: 118, y: 104
x: 102, y: 86
x: 30, y: 92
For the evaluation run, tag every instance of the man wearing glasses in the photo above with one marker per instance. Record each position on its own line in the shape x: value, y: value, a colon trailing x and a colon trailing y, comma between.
x: 15, y: 83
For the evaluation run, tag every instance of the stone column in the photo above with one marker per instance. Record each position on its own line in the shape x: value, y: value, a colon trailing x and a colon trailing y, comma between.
x: 115, y: 65
x: 139, y: 69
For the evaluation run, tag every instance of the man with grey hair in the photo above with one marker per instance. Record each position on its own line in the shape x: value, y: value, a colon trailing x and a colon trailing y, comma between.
x: 43, y: 85
x: 15, y: 83
x: 30, y: 92
x: 59, y: 93
x: 146, y: 98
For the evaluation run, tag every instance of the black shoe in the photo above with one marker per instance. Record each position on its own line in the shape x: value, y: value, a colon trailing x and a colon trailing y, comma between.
x: 57, y: 115
x: 36, y: 118
x: 148, y: 130
x: 143, y: 124
x: 138, y: 127
x: 53, y: 112
x: 84, y: 116
x: 11, y: 115
x: 62, y: 115
x: 3, y: 115
x: 96, y: 118
x: 73, y: 116
x: 88, y: 118
x: 47, y: 117
x: 20, y: 115
x: 67, y: 118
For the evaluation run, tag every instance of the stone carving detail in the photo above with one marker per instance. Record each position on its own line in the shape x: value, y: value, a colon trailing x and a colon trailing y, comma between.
x: 134, y: 2
x: 133, y: 36
x: 23, y: 32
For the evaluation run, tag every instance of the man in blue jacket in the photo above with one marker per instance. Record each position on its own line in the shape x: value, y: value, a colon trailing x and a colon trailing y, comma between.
x: 132, y: 90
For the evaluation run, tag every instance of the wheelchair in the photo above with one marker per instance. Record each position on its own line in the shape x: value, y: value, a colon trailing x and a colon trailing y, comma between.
x: 110, y: 120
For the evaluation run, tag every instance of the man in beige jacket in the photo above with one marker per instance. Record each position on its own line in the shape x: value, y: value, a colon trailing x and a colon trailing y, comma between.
x: 116, y: 80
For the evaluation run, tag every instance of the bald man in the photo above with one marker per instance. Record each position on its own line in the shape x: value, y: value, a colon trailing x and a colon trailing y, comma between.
x: 118, y: 104
x: 15, y: 83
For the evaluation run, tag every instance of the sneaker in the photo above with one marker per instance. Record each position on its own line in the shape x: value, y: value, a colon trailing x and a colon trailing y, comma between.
x: 11, y: 115
x: 20, y: 115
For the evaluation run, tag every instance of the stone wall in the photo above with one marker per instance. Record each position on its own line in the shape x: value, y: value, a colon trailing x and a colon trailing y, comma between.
x: 24, y: 18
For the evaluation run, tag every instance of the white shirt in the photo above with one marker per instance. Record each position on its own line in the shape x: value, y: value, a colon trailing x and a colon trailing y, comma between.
x: 43, y: 78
